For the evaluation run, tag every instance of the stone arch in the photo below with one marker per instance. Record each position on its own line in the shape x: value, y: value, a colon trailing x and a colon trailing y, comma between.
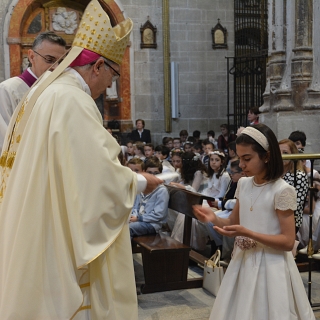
x: 30, y: 17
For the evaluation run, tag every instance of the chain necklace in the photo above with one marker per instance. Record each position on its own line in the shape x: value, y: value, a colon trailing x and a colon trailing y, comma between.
x: 251, y: 207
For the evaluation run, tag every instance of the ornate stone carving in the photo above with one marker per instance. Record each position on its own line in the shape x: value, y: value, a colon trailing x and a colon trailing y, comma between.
x: 65, y: 21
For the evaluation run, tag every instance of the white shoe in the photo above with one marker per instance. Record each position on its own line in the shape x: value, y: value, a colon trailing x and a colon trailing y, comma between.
x: 304, y: 250
x: 316, y: 255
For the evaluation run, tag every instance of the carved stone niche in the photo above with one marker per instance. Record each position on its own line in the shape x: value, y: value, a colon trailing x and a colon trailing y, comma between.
x: 219, y: 36
x: 148, y: 36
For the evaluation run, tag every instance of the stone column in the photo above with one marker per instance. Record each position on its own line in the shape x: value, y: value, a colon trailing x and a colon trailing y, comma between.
x: 313, y: 92
x: 294, y: 100
x: 302, y: 61
x: 277, y: 55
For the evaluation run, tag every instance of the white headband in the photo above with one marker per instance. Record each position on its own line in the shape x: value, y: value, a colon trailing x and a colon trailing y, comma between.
x: 218, y: 153
x: 257, y: 136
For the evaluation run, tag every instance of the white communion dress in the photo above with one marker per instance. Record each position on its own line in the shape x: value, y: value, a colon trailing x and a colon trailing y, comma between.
x: 262, y: 283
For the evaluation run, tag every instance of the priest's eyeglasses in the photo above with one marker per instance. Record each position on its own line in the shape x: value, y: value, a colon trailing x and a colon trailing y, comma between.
x: 116, y: 77
x: 47, y: 59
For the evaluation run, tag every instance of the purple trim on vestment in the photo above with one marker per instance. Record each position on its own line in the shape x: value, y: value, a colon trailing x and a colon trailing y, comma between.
x: 28, y: 78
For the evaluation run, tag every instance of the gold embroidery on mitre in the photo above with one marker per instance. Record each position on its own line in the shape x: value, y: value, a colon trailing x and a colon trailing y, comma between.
x: 95, y: 16
x: 18, y: 139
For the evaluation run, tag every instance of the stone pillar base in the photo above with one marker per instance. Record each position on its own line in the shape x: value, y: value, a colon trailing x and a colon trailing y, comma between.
x: 283, y: 101
x: 313, y: 100
x: 284, y: 122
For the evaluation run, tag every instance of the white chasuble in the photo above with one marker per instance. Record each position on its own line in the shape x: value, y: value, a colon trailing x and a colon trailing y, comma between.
x: 64, y: 241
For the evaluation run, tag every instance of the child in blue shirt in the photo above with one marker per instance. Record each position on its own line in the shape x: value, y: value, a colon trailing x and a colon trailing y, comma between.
x: 150, y: 211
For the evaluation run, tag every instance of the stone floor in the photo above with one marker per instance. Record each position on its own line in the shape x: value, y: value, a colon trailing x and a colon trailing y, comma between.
x: 193, y: 304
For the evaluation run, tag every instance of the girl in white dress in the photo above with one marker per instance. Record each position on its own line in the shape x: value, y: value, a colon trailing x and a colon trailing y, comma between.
x: 194, y: 178
x: 219, y: 178
x: 262, y: 280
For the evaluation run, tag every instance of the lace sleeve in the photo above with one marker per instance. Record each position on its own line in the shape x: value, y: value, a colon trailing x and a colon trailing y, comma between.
x: 286, y: 199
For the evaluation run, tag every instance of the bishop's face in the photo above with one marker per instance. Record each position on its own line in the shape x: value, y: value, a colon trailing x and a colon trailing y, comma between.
x: 106, y: 74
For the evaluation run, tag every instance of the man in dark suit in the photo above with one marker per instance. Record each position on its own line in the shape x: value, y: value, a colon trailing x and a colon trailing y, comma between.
x: 140, y: 133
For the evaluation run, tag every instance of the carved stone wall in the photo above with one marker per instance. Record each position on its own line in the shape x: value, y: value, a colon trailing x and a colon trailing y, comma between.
x: 292, y: 95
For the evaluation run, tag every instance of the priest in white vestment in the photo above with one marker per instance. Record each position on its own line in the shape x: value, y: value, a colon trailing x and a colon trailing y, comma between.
x: 64, y: 197
x: 46, y: 49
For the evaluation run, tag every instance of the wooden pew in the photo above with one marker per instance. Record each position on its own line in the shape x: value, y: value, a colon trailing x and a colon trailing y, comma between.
x: 165, y: 263
x: 182, y: 200
x: 165, y: 260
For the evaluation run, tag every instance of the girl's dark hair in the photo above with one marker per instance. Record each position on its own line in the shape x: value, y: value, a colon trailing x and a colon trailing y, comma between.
x: 275, y: 163
x: 190, y: 164
x: 222, y: 167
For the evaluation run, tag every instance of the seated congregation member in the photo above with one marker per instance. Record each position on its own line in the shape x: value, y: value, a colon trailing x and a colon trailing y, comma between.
x: 187, y: 147
x: 163, y: 153
x: 217, y: 174
x: 197, y: 148
x: 300, y: 139
x: 210, y: 137
x: 225, y: 138
x: 196, y: 135
x: 136, y: 165
x: 232, y: 153
x: 288, y: 147
x: 150, y: 211
x: 193, y: 178
x: 225, y: 206
x: 193, y: 173
x: 176, y: 160
x: 130, y: 150
x: 208, y: 147
x: 148, y: 151
x: 168, y: 142
x: 138, y: 149
x: 176, y: 143
x: 183, y: 137
x: 253, y: 116
x: 140, y: 133
x: 303, y: 233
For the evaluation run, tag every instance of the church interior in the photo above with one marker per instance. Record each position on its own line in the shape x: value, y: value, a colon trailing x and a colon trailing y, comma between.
x: 193, y: 68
